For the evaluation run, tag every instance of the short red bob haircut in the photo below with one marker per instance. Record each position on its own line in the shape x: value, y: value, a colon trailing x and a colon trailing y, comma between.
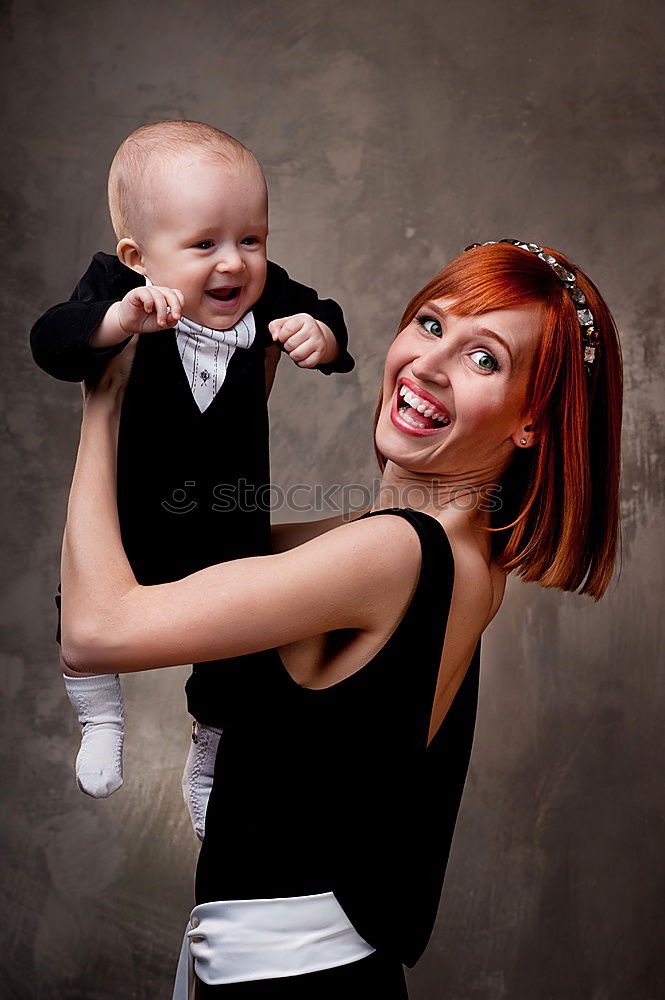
x: 557, y: 521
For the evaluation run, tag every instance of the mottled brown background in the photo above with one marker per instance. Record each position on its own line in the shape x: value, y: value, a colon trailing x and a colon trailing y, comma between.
x: 392, y: 134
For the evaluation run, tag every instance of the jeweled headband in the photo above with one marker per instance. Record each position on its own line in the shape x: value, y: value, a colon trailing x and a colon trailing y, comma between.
x: 590, y: 336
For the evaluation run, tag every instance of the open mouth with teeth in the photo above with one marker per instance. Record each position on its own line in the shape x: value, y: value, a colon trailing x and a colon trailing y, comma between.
x: 224, y: 294
x: 420, y: 413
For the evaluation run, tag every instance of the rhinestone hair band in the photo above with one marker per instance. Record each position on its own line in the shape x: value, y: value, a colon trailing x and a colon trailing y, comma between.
x: 590, y: 336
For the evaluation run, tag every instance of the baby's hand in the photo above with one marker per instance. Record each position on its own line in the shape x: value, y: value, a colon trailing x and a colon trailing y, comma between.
x: 146, y: 310
x: 307, y: 341
x: 143, y: 310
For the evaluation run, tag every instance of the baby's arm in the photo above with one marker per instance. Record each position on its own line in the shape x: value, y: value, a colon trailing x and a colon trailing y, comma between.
x: 143, y: 310
x: 60, y: 339
x: 314, y: 328
x: 73, y: 340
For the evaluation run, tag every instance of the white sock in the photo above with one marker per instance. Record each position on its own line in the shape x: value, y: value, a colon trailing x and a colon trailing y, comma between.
x: 97, y: 702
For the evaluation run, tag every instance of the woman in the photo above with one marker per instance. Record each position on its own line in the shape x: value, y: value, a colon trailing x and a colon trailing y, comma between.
x: 350, y: 704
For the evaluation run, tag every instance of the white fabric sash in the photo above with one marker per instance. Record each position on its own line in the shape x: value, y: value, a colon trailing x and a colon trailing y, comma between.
x: 205, y: 353
x: 238, y: 940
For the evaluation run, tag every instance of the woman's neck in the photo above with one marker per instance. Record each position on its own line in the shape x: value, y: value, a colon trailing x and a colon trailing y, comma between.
x: 469, y: 495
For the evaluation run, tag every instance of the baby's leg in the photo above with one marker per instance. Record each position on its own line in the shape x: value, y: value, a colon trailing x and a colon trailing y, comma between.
x: 198, y: 774
x: 97, y: 701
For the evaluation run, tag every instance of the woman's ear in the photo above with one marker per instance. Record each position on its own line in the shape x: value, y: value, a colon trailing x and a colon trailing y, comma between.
x: 524, y: 437
x: 129, y: 253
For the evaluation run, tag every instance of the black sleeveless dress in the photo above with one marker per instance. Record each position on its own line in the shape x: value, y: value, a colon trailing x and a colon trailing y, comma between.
x: 336, y: 789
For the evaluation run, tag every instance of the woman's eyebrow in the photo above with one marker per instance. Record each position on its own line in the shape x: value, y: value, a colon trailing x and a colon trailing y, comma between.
x: 481, y: 329
x: 495, y: 336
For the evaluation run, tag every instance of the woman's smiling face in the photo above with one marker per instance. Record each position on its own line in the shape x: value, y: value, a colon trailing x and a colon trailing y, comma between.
x: 454, y: 389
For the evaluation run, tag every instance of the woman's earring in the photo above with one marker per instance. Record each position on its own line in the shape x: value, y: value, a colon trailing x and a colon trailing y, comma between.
x: 522, y: 440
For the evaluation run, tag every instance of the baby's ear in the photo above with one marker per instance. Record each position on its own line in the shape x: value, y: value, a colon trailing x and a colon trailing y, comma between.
x: 129, y: 254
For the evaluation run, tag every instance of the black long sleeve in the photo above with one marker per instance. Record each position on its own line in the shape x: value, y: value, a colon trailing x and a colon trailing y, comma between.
x: 60, y: 338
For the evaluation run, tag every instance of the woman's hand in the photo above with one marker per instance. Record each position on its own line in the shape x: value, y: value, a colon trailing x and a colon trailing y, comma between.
x: 113, y: 380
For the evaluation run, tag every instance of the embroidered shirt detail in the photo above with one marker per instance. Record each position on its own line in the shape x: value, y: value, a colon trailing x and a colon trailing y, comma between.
x: 205, y: 354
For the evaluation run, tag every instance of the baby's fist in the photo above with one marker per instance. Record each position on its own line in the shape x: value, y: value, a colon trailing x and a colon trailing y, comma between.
x: 146, y: 310
x: 306, y: 340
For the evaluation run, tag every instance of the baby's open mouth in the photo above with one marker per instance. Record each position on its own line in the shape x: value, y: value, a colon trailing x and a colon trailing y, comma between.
x: 224, y: 294
x: 420, y: 412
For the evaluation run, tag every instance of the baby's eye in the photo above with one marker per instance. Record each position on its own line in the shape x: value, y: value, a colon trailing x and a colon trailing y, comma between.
x: 204, y: 245
x: 431, y: 325
x: 250, y: 241
x: 489, y: 364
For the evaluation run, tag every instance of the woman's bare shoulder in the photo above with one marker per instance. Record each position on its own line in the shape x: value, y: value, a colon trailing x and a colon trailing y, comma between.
x: 373, y: 563
x: 477, y: 594
x: 388, y: 545
x: 481, y: 581
x: 498, y: 577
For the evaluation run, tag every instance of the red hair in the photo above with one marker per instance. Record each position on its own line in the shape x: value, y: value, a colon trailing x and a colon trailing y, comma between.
x: 558, y: 523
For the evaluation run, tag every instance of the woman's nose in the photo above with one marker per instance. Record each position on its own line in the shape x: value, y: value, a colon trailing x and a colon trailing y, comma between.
x: 432, y: 365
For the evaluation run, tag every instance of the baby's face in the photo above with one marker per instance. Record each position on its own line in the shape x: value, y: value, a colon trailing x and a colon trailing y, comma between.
x: 208, y: 236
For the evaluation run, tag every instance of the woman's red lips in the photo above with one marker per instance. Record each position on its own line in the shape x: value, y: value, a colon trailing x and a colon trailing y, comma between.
x: 409, y: 420
x: 424, y: 395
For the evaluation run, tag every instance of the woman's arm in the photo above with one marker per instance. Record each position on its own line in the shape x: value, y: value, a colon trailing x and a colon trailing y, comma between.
x: 343, y: 579
x: 272, y: 356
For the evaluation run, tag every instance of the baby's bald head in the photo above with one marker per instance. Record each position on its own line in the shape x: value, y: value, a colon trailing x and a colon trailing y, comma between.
x: 133, y: 188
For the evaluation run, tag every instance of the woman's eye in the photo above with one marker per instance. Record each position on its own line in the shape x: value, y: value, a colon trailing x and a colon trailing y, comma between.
x: 204, y: 245
x: 430, y: 325
x: 488, y: 362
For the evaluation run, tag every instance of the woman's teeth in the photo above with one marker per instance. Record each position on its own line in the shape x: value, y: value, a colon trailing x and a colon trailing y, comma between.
x: 405, y: 414
x: 421, y: 406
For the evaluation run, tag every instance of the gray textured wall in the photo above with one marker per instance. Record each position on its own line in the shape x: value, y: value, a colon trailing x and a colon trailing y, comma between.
x: 392, y: 134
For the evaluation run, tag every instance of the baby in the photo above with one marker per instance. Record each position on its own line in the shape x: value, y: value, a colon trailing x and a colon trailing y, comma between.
x: 189, y: 208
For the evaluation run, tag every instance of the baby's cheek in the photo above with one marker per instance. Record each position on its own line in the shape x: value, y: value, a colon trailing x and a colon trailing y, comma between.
x: 259, y: 271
